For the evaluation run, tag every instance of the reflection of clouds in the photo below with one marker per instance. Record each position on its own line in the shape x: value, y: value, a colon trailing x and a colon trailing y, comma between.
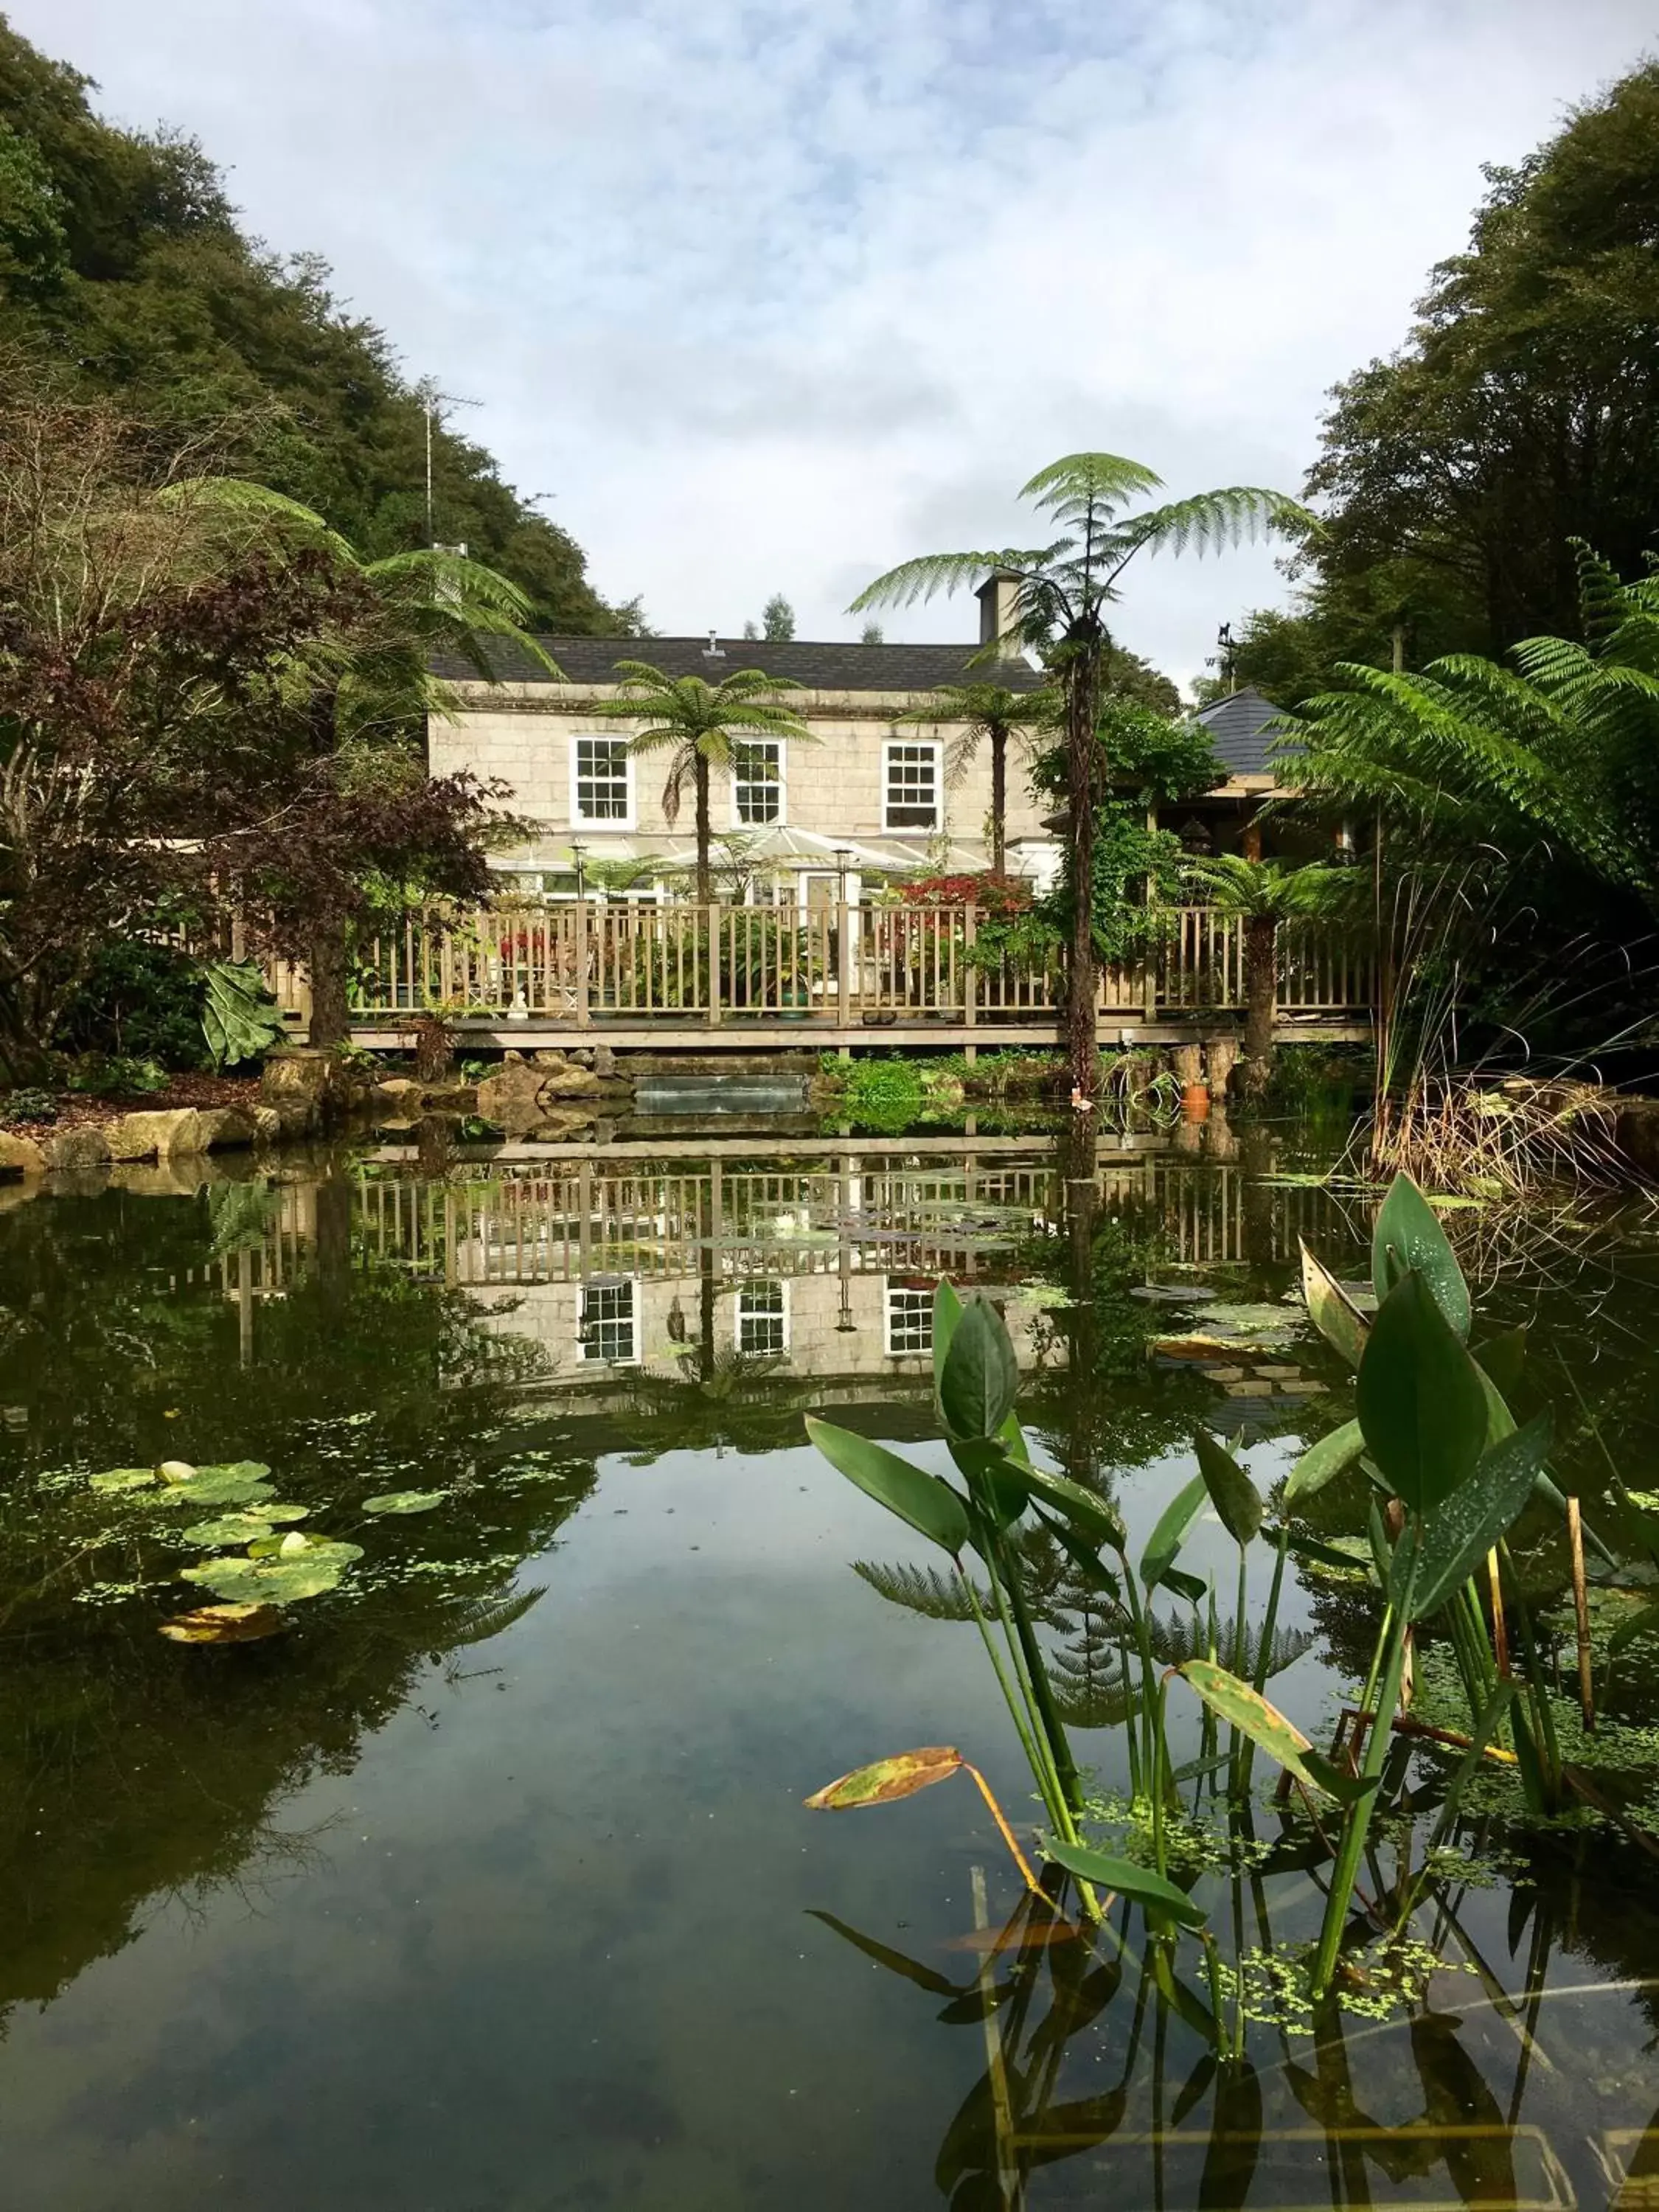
x: 892, y: 257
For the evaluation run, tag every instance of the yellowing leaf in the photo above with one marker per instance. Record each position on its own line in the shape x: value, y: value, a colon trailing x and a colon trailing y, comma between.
x: 224, y: 1623
x: 884, y: 1781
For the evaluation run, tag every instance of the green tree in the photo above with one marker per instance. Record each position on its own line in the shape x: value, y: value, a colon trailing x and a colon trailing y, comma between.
x: 777, y: 620
x: 990, y: 716
x: 701, y: 725
x: 1061, y: 592
x: 1521, y: 413
x: 366, y: 710
x: 1264, y: 893
x: 156, y: 301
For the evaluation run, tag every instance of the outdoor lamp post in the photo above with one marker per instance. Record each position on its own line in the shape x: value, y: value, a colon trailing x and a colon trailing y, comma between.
x: 578, y: 854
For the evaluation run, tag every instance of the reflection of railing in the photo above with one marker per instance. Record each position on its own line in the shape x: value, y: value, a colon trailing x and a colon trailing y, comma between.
x: 584, y: 963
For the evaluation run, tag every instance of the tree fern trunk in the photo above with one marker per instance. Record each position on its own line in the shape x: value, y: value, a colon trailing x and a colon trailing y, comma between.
x: 705, y: 870
x: 1261, y: 1000
x: 999, y: 799
x: 1082, y: 1029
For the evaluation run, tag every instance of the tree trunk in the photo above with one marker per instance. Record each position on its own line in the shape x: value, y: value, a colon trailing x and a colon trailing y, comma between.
x: 705, y: 871
x: 330, y: 1015
x: 998, y: 801
x: 1261, y: 1001
x: 1082, y: 1026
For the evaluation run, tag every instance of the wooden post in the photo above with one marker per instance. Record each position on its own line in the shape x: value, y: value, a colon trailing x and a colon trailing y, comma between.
x: 711, y: 915
x: 969, y: 973
x: 584, y: 1017
x: 843, y: 960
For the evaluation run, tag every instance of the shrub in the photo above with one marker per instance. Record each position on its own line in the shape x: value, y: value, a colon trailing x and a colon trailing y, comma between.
x: 139, y: 1001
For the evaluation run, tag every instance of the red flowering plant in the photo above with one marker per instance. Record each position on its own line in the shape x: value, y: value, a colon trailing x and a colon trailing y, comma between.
x: 1009, y: 927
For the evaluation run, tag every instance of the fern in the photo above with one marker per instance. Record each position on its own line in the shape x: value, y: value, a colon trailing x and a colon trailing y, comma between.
x: 485, y: 1617
x: 921, y: 1589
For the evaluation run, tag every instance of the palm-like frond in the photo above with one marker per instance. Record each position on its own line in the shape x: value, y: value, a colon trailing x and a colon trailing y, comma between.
x: 930, y: 573
x: 485, y: 1617
x: 921, y: 1590
x: 1080, y: 485
x: 1232, y: 516
x: 236, y: 498
x: 1267, y: 888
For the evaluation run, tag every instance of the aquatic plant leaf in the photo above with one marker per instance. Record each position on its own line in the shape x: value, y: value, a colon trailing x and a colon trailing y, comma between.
x: 224, y: 1623
x: 895, y: 1962
x: 1250, y: 1713
x: 1501, y: 1358
x: 884, y: 1781
x: 1313, y: 1553
x: 994, y: 1483
x: 273, y: 1582
x: 1193, y: 1588
x: 1234, y: 1495
x: 1420, y: 1399
x: 947, y: 1315
x: 981, y: 1377
x: 1083, y: 1556
x: 1331, y: 1311
x: 1407, y: 1239
x: 1084, y: 1509
x: 295, y: 1544
x: 244, y: 1527
x: 1644, y: 1623
x: 404, y: 1501
x: 1324, y: 1460
x: 1167, y: 1538
x: 116, y: 1479
x: 210, y: 1487
x: 929, y: 1506
x: 1128, y: 1879
x: 1035, y: 1936
x: 1458, y: 1535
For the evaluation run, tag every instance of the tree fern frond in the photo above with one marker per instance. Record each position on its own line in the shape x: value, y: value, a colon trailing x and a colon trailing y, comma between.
x: 486, y: 1617
x: 921, y: 1589
x: 930, y: 573
x: 1228, y: 517
x: 236, y: 496
x: 1082, y: 487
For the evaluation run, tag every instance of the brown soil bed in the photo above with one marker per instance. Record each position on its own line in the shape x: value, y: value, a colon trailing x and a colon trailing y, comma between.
x: 79, y: 1109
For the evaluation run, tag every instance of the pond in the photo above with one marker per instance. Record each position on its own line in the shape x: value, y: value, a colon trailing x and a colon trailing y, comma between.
x: 486, y: 1885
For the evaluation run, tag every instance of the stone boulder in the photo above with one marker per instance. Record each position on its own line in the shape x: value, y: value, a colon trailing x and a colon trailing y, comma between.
x: 155, y: 1134
x: 512, y: 1096
x: 396, y: 1094
x: 69, y: 1150
x: 566, y: 1082
x: 224, y: 1128
x: 21, y: 1155
x: 267, y: 1125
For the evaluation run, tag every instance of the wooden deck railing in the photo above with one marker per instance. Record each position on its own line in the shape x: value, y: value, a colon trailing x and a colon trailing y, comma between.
x: 581, y: 964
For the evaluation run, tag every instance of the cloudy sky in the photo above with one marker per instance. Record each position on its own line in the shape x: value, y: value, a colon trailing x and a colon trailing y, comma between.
x: 771, y: 294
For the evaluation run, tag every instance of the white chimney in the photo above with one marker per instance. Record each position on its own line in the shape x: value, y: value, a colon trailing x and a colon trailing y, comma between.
x: 996, y: 596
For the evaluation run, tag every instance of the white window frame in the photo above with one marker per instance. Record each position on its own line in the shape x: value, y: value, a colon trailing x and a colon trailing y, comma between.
x: 904, y: 1306
x: 773, y: 1286
x: 781, y: 786
x: 618, y: 822
x: 587, y: 1350
x: 889, y: 745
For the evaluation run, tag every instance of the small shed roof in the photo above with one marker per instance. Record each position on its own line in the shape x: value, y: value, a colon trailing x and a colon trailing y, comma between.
x: 1243, y: 727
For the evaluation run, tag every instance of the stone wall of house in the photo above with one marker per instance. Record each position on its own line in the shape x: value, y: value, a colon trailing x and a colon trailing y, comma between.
x: 833, y: 786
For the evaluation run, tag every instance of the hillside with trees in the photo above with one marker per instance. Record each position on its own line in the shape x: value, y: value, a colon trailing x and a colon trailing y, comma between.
x: 125, y: 277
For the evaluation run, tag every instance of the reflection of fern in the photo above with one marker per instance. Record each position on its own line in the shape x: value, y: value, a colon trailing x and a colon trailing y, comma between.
x: 921, y: 1589
x: 487, y: 1617
x: 1177, y: 1640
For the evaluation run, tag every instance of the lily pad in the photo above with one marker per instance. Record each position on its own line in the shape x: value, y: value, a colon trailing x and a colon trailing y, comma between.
x: 214, y: 1486
x: 297, y: 1545
x: 224, y: 1623
x: 118, y: 1479
x: 266, y: 1582
x: 405, y: 1501
x: 243, y: 1528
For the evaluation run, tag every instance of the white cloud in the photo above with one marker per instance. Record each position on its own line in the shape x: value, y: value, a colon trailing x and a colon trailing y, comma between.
x: 773, y: 295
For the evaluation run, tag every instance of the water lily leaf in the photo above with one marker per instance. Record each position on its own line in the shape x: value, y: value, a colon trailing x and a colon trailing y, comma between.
x: 884, y: 1781
x: 1234, y: 1495
x: 175, y: 1470
x: 1331, y: 1311
x: 1250, y: 1713
x: 931, y: 1507
x: 1407, y: 1239
x: 266, y: 1582
x: 1324, y: 1461
x: 213, y: 1487
x: 980, y: 1376
x: 118, y: 1479
x: 225, y: 1624
x: 1421, y: 1401
x: 1128, y: 1879
x: 243, y: 1528
x: 1166, y: 1539
x: 404, y: 1501
x: 297, y: 1545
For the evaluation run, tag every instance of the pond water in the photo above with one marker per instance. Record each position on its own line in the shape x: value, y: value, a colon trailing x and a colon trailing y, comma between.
x: 487, y: 1886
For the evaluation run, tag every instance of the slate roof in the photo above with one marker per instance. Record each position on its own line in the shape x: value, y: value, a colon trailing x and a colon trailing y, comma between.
x: 1242, y: 729
x: 834, y: 667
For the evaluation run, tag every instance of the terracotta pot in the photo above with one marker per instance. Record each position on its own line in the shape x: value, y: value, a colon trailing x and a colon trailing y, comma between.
x: 1195, y: 1101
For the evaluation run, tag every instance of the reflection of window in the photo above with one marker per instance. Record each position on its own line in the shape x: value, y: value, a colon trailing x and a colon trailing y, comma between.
x: 599, y: 780
x: 910, y: 787
x: 763, y: 1317
x: 757, y: 781
x: 610, y: 1321
x: 909, y: 1321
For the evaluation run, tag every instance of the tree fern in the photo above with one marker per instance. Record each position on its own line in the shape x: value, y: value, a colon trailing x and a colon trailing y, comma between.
x: 924, y: 1590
